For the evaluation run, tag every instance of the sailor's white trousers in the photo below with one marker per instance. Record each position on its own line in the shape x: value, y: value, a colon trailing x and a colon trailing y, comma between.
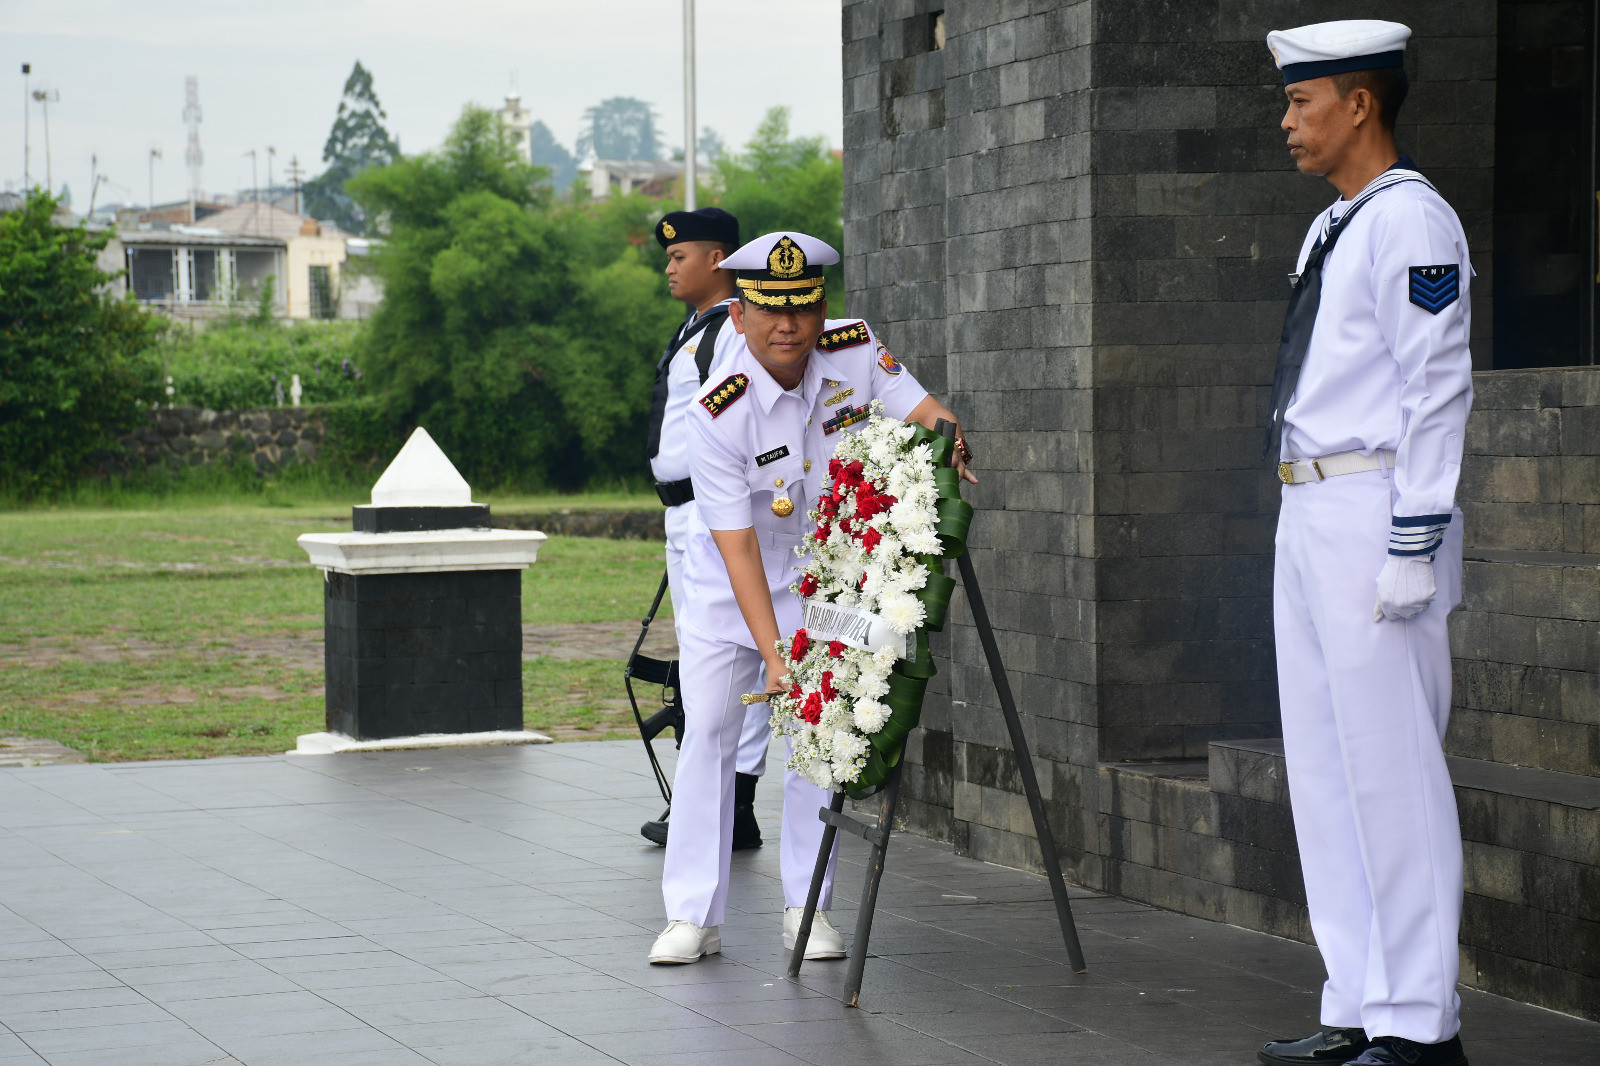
x: 694, y: 880
x: 1364, y: 708
x: 756, y: 733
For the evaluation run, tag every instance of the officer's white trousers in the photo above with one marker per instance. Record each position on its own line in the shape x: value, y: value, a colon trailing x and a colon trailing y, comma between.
x: 1364, y: 708
x: 694, y: 880
x: 756, y: 733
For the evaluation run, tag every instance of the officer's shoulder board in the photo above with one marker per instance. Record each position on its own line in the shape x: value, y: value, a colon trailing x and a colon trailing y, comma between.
x: 832, y: 340
x: 722, y: 397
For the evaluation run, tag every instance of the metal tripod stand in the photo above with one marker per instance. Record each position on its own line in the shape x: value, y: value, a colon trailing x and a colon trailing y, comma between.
x: 876, y: 832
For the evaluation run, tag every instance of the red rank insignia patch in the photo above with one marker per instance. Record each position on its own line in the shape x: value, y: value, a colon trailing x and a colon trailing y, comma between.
x: 844, y: 337
x: 722, y: 397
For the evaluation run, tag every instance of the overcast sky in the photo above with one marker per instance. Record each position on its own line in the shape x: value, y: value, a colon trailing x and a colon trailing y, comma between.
x: 271, y: 73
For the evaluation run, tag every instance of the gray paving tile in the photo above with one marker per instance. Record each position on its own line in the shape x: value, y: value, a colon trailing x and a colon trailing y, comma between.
x: 335, y: 910
x: 15, y: 1052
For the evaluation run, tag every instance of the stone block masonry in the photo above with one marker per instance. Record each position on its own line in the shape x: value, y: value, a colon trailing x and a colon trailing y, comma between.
x: 1074, y: 222
x: 423, y: 653
x: 178, y: 437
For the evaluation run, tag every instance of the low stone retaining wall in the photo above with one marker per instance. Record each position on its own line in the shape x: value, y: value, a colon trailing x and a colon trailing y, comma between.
x: 194, y: 436
x: 616, y: 525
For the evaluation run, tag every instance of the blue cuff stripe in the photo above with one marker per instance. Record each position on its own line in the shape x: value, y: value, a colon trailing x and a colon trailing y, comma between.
x: 1417, y: 534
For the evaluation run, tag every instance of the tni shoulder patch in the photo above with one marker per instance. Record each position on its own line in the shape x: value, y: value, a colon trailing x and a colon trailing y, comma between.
x: 844, y: 337
x: 721, y: 398
x: 890, y: 364
x: 1433, y: 288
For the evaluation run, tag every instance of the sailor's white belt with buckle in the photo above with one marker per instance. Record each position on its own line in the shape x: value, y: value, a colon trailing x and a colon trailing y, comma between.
x: 1300, y: 471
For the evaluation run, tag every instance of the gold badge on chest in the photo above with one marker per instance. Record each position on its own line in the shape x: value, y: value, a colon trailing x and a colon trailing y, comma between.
x: 783, y: 507
x: 838, y: 397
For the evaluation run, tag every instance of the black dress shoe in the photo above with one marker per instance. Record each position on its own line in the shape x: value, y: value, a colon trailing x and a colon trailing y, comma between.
x: 1326, y: 1047
x: 656, y: 832
x: 1398, y: 1051
x: 746, y: 833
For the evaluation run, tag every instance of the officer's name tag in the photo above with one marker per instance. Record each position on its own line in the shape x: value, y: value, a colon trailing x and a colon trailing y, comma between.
x: 857, y: 628
x: 773, y: 456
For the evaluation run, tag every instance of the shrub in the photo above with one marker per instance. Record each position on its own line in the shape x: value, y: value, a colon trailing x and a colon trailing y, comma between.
x: 74, y: 361
x: 239, y: 365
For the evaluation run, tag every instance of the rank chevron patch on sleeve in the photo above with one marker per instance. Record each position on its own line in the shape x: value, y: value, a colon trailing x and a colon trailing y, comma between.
x: 1433, y: 288
x: 720, y: 398
x: 844, y: 337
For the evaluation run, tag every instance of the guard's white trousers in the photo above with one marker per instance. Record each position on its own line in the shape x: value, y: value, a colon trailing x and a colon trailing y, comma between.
x: 756, y: 732
x: 694, y: 879
x: 1364, y: 707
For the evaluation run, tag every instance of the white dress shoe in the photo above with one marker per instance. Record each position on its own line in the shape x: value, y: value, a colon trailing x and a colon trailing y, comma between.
x: 684, y: 941
x: 825, y: 941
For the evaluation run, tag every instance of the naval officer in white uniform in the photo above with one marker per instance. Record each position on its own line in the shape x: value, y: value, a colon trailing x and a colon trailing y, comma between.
x: 1370, y: 403
x: 696, y: 243
x: 761, y: 433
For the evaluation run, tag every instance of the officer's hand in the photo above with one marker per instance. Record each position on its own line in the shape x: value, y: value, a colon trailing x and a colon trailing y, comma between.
x: 1405, y: 588
x: 777, y: 677
x: 963, y: 461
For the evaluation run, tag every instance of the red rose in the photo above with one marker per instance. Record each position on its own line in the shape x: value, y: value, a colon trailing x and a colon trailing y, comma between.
x: 823, y: 529
x: 853, y: 470
x: 795, y: 692
x: 870, y: 538
x: 844, y: 525
x: 797, y: 647
x: 812, y: 710
x: 808, y: 585
x: 836, y: 649
x: 834, y: 466
x: 828, y: 692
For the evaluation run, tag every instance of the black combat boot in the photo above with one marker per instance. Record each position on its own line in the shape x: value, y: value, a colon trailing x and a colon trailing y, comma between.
x: 746, y: 833
x: 656, y: 832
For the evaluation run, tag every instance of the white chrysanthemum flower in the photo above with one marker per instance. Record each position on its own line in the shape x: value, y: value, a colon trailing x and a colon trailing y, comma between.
x: 924, y: 542
x: 908, y: 517
x: 872, y: 686
x: 871, y: 715
x: 902, y: 611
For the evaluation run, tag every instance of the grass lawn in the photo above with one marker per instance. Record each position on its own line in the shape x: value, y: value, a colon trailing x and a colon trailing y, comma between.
x: 178, y: 631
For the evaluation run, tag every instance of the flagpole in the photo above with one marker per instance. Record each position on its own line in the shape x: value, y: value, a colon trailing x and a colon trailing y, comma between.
x: 689, y: 147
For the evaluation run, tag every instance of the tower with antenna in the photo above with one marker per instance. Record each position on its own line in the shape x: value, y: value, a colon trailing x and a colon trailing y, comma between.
x: 192, y: 156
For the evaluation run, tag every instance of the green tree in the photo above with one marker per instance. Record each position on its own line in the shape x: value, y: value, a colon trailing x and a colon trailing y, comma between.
x: 620, y: 128
x: 358, y: 140
x: 75, y: 364
x: 779, y: 182
x: 520, y: 330
x: 549, y: 153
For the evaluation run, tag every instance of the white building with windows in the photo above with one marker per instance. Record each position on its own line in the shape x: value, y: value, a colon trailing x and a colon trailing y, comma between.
x: 226, y: 261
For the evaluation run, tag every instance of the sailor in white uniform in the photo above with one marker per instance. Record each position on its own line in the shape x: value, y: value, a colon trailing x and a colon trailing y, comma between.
x: 761, y: 435
x: 1370, y: 403
x: 696, y: 243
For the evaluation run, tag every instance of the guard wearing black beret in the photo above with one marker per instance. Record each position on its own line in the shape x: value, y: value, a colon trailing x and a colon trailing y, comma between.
x: 696, y: 244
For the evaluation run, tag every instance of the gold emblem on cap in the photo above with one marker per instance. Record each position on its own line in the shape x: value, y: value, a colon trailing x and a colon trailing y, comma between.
x: 788, y: 259
x: 783, y: 507
x: 668, y: 231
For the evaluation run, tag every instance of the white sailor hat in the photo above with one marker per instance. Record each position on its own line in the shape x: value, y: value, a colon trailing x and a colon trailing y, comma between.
x: 1325, y: 48
x: 782, y: 269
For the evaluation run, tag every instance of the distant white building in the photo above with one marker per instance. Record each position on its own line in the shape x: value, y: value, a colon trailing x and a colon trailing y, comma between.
x: 609, y: 177
x: 519, y: 121
x: 225, y: 261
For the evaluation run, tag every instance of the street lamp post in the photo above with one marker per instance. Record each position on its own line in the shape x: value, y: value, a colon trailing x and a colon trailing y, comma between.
x: 46, y: 97
x: 27, y: 177
x: 689, y: 147
x: 155, y: 153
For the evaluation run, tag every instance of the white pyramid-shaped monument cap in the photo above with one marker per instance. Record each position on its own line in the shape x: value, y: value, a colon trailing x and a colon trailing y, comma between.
x: 421, y: 476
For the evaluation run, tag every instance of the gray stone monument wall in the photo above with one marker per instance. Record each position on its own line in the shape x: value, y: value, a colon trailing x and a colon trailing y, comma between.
x: 1075, y: 221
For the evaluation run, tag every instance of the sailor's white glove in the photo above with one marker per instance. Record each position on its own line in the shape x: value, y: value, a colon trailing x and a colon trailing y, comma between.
x: 1405, y: 587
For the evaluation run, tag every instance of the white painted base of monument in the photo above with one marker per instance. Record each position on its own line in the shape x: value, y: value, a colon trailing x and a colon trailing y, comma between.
x: 338, y: 743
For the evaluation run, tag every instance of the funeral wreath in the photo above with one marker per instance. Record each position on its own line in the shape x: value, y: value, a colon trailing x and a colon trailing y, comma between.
x: 873, y: 587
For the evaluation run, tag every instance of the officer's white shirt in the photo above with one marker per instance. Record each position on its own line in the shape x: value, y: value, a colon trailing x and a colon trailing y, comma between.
x: 683, y: 381
x: 1381, y: 371
x: 769, y: 443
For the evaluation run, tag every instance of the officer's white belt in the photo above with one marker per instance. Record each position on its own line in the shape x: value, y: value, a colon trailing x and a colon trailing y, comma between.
x: 1300, y: 471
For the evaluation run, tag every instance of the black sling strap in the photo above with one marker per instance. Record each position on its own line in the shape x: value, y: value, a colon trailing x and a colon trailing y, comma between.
x: 703, y: 355
x: 1301, y: 319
